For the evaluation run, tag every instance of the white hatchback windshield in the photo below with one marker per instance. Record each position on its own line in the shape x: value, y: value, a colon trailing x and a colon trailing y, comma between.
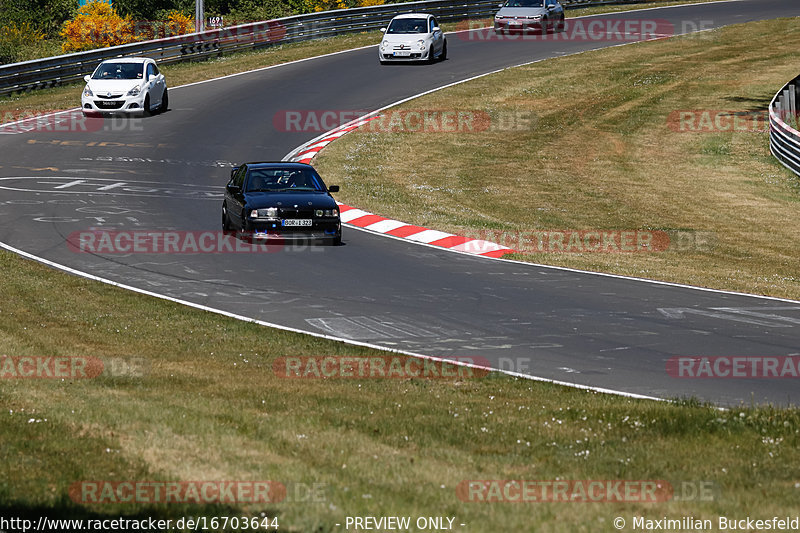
x: 119, y: 71
x: 524, y: 3
x: 408, y: 26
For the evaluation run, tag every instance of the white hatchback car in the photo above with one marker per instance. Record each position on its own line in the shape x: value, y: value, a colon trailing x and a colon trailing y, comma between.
x: 126, y: 85
x: 412, y: 37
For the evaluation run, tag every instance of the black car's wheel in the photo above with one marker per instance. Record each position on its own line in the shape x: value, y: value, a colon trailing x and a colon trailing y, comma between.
x: 226, y: 222
x: 164, y: 102
x: 246, y: 226
x: 147, y: 105
x: 335, y: 241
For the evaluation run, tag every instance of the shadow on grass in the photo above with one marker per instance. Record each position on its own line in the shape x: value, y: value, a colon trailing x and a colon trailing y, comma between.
x: 754, y: 104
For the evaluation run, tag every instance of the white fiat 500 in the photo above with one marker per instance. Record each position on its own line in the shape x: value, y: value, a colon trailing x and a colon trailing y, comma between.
x: 126, y: 85
x: 412, y: 37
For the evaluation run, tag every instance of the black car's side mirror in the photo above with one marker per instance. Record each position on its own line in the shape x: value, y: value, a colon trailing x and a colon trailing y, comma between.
x: 333, y: 188
x: 234, y: 188
x: 233, y: 171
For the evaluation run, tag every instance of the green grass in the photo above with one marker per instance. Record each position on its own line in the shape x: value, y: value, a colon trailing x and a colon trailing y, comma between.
x: 608, y: 154
x: 208, y: 406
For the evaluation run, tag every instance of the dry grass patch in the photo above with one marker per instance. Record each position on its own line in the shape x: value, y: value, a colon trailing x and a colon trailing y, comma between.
x: 606, y: 155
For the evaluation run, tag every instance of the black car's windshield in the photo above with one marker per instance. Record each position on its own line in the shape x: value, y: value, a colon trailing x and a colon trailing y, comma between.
x: 119, y: 71
x: 524, y: 3
x: 408, y: 26
x: 279, y: 180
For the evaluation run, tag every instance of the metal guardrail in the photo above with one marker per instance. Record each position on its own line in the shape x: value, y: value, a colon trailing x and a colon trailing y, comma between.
x: 52, y: 71
x: 784, y: 137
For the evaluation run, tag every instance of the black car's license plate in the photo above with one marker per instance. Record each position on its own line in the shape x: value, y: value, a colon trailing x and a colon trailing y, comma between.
x: 297, y: 222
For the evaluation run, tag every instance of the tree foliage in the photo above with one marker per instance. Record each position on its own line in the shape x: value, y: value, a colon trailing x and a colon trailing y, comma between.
x: 97, y: 25
x: 45, y: 16
x: 14, y: 38
x: 152, y: 10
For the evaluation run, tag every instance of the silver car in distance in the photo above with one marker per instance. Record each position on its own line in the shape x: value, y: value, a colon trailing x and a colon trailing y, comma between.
x: 520, y: 16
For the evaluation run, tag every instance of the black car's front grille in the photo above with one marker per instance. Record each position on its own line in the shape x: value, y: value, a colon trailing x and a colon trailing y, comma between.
x: 292, y: 212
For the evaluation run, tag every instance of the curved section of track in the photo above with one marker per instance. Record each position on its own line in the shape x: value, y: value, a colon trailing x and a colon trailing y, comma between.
x: 167, y: 172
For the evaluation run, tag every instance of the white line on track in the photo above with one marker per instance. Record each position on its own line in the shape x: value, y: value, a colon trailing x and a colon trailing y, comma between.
x: 314, y: 334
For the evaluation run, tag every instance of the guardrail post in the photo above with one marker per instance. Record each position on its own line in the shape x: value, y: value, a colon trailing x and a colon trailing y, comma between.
x: 795, y: 94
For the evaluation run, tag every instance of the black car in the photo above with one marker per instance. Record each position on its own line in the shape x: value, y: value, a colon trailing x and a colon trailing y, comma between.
x: 280, y: 199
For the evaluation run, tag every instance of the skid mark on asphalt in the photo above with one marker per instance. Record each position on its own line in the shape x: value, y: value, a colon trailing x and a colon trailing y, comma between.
x: 758, y: 316
x: 363, y: 327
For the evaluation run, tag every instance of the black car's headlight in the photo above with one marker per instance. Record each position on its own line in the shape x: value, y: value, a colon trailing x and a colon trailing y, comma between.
x: 269, y: 212
x: 326, y: 212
